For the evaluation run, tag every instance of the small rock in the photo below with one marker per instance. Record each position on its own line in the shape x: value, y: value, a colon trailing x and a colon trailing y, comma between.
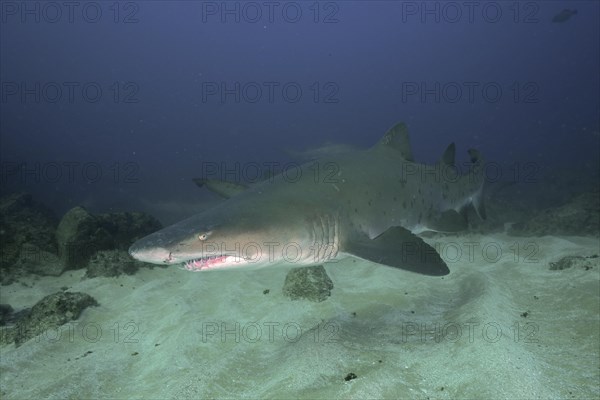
x: 37, y: 261
x: 23, y: 220
x: 5, y: 311
x: 309, y: 283
x: 79, y: 236
x: 51, y: 312
x: 112, y: 263
x: 350, y: 376
x: 566, y: 262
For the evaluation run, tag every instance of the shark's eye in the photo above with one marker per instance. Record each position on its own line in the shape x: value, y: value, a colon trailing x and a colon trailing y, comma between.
x: 202, y: 236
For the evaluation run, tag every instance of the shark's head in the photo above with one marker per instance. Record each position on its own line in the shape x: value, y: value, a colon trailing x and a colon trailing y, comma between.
x: 226, y: 237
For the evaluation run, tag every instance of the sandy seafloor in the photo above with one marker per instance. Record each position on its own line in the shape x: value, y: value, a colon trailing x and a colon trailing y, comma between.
x: 412, y: 336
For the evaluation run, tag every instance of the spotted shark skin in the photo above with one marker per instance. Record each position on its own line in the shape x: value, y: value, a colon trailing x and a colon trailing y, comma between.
x: 371, y: 204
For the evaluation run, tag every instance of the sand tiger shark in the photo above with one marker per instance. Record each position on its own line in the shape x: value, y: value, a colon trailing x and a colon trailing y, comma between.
x: 371, y: 204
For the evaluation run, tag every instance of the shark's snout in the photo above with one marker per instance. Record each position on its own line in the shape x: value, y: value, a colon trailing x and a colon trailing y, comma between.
x: 146, y: 250
x: 152, y: 255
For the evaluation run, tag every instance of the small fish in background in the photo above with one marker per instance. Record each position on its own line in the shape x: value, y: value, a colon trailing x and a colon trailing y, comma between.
x: 564, y: 15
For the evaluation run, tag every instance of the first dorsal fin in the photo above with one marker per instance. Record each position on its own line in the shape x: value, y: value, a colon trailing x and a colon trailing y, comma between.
x: 397, y: 138
x: 449, y: 155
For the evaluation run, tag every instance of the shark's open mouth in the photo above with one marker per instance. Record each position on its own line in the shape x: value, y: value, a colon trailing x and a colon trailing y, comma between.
x: 204, y: 263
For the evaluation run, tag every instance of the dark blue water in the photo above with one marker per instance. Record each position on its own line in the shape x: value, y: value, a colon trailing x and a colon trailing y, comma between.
x: 105, y: 103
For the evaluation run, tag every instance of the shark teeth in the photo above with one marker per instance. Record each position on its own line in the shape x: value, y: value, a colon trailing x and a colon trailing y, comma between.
x: 199, y: 264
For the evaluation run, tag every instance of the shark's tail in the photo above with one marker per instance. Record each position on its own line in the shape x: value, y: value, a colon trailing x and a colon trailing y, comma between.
x: 477, y: 176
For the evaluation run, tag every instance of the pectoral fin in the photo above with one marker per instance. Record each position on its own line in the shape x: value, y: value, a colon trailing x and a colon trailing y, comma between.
x: 399, y: 248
